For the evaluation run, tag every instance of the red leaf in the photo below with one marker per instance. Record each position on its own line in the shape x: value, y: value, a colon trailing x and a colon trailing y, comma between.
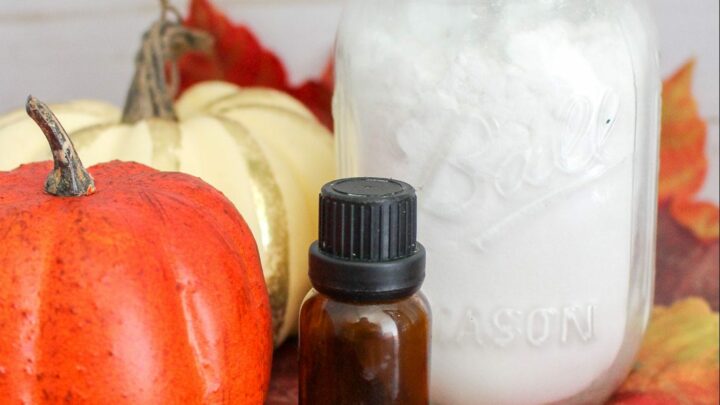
x: 328, y: 77
x: 241, y: 59
x: 643, y: 398
x: 685, y: 267
x: 317, y: 97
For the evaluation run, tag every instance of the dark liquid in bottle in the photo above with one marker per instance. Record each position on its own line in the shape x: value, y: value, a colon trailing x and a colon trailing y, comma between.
x: 364, y: 353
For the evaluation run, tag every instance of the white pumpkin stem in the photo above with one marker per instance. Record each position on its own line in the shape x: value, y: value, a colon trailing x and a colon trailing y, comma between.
x: 151, y: 94
x: 69, y: 177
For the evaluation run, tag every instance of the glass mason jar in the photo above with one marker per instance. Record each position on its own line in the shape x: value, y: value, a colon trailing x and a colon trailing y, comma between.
x: 530, y: 131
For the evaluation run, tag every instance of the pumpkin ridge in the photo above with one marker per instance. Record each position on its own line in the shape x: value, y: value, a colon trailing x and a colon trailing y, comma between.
x: 112, y: 325
x: 291, y: 115
x: 208, y: 105
x: 53, y: 253
x: 230, y: 91
x: 212, y: 106
x: 12, y: 118
x: 166, y: 139
x: 18, y: 115
x: 181, y: 305
x: 270, y: 107
x: 237, y: 222
x: 279, y: 247
x: 192, y: 323
x: 85, y: 137
x: 180, y: 200
x: 221, y: 236
x: 138, y: 181
x: 155, y: 205
x: 96, y: 208
x: 28, y: 329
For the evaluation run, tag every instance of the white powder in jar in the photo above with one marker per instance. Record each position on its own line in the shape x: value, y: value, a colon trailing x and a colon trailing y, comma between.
x: 515, y: 120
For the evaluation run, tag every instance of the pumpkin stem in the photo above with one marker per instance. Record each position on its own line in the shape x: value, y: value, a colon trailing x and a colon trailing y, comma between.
x: 151, y: 93
x: 69, y: 177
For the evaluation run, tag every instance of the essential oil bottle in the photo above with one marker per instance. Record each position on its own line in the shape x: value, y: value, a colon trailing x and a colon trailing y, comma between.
x: 365, y: 326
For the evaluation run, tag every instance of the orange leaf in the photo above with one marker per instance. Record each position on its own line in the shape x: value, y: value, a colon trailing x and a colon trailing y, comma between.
x: 701, y: 218
x: 678, y: 362
x: 683, y: 164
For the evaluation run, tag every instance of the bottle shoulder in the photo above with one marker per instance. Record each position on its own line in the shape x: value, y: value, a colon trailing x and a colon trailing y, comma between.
x: 386, y: 317
x: 418, y: 299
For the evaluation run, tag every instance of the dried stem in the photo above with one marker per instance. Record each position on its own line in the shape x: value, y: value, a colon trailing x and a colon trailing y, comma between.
x: 151, y: 93
x: 69, y: 177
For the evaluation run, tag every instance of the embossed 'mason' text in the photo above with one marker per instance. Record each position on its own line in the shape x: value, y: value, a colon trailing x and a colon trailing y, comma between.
x: 509, y: 327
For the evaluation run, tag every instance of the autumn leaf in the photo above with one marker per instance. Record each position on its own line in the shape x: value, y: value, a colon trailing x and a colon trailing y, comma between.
x: 682, y: 149
x: 317, y: 97
x: 328, y: 77
x: 241, y: 59
x: 683, y: 164
x: 678, y: 361
x: 685, y: 267
x: 700, y: 217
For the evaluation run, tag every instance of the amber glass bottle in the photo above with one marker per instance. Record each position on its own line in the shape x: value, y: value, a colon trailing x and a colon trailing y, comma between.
x: 365, y: 327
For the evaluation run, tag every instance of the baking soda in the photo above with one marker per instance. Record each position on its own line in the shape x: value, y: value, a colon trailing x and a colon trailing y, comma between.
x: 515, y: 121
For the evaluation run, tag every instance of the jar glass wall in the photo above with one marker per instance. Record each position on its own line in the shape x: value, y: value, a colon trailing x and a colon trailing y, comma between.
x: 530, y: 131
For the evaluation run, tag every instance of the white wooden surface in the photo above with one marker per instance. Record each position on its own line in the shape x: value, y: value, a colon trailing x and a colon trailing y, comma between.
x: 84, y: 48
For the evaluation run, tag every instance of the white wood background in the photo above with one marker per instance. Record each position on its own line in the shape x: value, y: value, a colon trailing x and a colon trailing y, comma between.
x: 84, y: 48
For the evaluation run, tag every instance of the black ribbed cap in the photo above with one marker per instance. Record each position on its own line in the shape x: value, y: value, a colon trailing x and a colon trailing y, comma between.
x: 367, y: 247
x: 368, y: 219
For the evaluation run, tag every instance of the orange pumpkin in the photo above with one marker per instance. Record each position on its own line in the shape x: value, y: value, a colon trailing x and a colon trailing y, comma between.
x: 148, y: 291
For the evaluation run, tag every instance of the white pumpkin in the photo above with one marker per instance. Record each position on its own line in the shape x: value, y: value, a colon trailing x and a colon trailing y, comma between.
x: 263, y: 149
